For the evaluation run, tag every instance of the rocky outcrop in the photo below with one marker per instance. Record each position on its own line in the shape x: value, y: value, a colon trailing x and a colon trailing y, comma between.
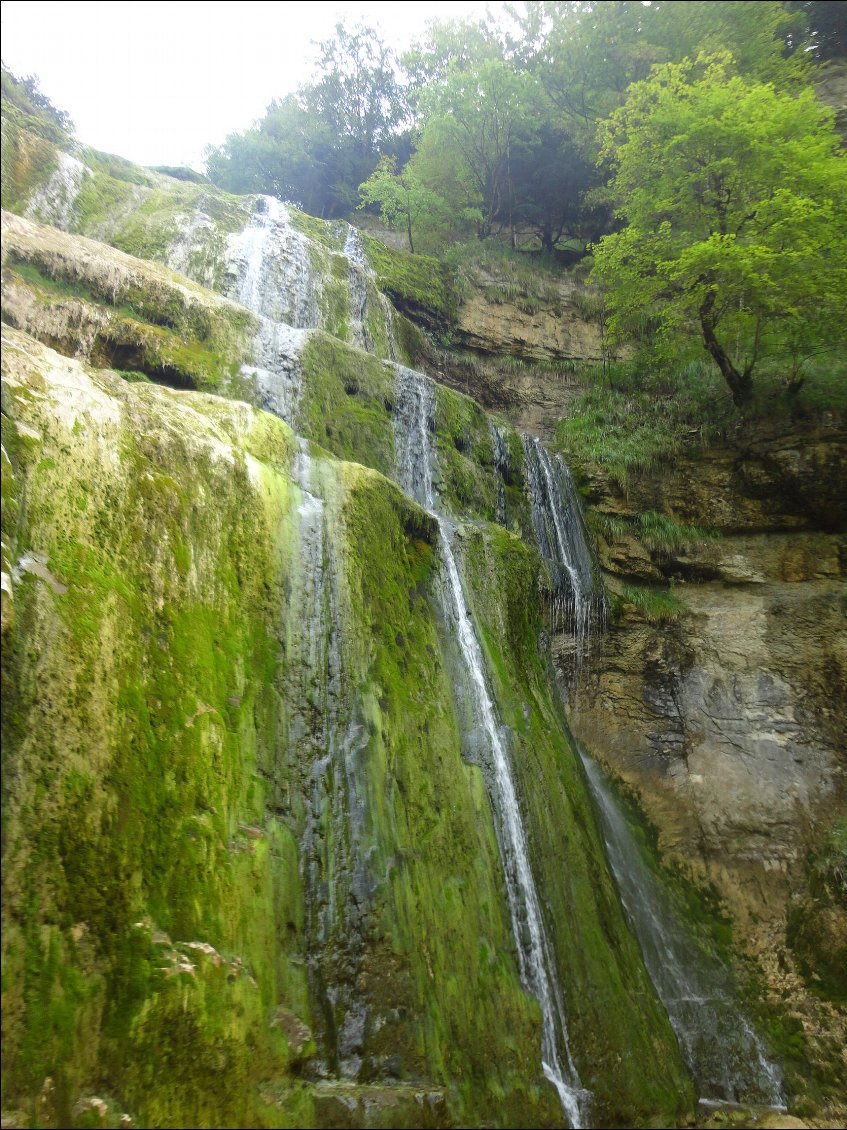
x: 726, y: 714
x: 552, y: 329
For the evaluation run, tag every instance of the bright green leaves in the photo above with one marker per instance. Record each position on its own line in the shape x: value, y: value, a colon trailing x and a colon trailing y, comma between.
x: 733, y: 198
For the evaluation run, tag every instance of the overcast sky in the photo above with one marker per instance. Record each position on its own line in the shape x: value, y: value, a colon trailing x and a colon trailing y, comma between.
x: 157, y: 82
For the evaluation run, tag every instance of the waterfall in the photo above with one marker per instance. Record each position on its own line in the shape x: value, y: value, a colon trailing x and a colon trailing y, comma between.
x: 501, y: 463
x: 272, y: 268
x: 723, y: 1052
x: 325, y: 739
x: 415, y: 402
x: 578, y: 599
x: 54, y: 202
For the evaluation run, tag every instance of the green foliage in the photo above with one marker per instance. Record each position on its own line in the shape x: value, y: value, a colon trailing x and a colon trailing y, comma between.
x: 816, y: 923
x: 28, y: 106
x: 315, y: 147
x: 662, y: 533
x: 736, y: 228
x: 657, y: 606
x: 402, y: 198
x: 629, y: 420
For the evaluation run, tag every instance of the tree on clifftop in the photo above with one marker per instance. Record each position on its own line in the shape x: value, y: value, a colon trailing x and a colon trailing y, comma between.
x: 733, y: 197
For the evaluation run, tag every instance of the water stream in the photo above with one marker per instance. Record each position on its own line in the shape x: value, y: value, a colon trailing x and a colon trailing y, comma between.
x: 273, y: 277
x: 579, y: 604
x: 723, y: 1052
x: 414, y: 408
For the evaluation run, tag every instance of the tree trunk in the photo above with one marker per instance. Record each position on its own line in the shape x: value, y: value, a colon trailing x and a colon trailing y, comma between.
x: 740, y: 383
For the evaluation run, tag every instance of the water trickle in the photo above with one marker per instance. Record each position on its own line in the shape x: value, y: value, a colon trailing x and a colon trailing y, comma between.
x: 54, y: 202
x: 723, y: 1052
x: 501, y: 463
x: 579, y: 602
x: 323, y: 737
x: 358, y: 283
x: 414, y: 407
x: 272, y: 270
x: 363, y: 290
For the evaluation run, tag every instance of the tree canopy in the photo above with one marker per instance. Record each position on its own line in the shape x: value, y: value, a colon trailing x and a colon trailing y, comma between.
x: 732, y: 194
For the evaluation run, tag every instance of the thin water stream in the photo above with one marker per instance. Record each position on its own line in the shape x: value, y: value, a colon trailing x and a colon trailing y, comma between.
x: 414, y: 408
x: 722, y: 1050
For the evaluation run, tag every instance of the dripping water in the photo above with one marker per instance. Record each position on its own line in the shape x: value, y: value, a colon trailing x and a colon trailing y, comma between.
x: 414, y: 409
x: 579, y: 603
x: 722, y: 1051
x: 501, y: 464
x: 325, y: 739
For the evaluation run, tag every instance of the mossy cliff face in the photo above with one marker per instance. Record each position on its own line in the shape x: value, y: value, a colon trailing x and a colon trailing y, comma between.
x: 242, y: 846
x: 90, y: 301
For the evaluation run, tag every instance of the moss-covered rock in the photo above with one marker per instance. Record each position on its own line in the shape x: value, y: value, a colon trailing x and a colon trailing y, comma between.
x: 88, y: 300
x: 600, y: 967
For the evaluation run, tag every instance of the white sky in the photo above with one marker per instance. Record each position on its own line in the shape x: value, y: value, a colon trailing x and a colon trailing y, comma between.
x: 157, y: 82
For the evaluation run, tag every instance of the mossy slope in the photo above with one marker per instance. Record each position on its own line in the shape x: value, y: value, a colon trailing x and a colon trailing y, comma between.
x: 154, y: 906
x: 620, y: 1035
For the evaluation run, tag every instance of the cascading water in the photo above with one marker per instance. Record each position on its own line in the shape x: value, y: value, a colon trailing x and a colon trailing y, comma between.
x: 272, y: 276
x: 722, y: 1051
x: 54, y: 202
x: 579, y: 601
x: 360, y: 276
x: 262, y: 264
x: 323, y: 737
x: 501, y: 463
x: 414, y: 407
x: 273, y: 270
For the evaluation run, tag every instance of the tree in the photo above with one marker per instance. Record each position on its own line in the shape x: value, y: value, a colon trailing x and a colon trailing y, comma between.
x: 315, y: 147
x: 400, y: 196
x: 733, y: 198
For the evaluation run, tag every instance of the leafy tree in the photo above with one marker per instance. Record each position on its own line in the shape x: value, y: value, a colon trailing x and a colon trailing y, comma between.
x: 402, y: 199
x: 316, y: 146
x: 476, y: 109
x: 733, y: 197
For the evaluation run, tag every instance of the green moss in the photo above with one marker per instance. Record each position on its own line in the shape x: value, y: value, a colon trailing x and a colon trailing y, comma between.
x: 28, y: 161
x: 328, y: 234
x: 153, y: 707
x: 443, y: 946
x: 657, y: 606
x: 346, y: 402
x: 187, y: 340
x: 417, y: 284
x: 611, y: 1005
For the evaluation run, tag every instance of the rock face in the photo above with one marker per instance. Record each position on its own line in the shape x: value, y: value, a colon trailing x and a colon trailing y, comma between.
x: 728, y: 720
x: 555, y: 332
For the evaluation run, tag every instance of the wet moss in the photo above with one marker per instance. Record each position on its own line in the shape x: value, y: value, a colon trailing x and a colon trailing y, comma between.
x: 127, y: 316
x: 418, y: 285
x: 140, y: 702
x: 345, y: 402
x: 27, y: 162
x: 625, y: 1049
x: 441, y: 962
